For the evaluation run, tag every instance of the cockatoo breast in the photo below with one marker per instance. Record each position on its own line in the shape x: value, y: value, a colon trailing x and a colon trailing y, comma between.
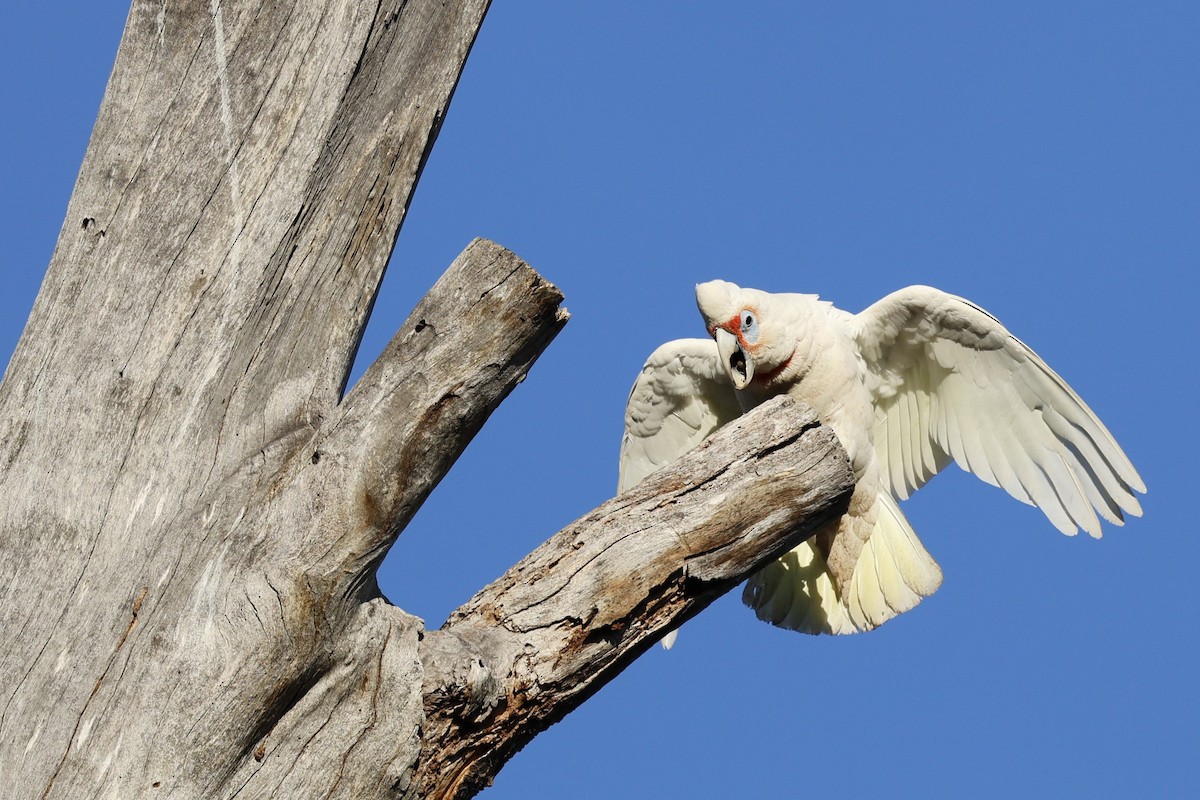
x: 823, y: 369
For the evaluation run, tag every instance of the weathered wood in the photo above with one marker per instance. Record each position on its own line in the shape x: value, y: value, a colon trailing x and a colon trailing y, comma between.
x: 469, y: 341
x: 536, y: 643
x: 191, y: 513
x: 347, y: 725
x: 232, y: 219
x: 242, y: 646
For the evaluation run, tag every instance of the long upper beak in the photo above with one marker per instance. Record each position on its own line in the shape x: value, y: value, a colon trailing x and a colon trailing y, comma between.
x: 737, y: 362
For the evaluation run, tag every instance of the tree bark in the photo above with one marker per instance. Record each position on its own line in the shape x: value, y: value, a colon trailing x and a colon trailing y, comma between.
x: 536, y: 643
x: 191, y: 512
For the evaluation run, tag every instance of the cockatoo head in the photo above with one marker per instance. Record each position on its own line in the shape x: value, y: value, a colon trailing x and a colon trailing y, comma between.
x: 749, y: 341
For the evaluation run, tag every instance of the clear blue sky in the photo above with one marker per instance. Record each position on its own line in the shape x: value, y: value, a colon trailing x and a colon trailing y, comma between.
x: 1041, y: 159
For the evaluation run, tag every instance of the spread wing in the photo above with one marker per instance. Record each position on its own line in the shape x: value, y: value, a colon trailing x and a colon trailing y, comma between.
x: 680, y: 397
x: 951, y: 383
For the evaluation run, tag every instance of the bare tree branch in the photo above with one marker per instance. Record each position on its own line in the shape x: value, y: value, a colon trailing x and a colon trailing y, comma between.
x: 471, y: 339
x: 543, y: 638
x: 190, y: 510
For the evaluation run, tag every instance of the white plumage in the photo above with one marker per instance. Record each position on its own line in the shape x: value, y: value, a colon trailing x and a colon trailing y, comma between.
x: 919, y: 379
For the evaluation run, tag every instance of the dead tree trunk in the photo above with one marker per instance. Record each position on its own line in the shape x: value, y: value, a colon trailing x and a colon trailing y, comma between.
x: 191, y: 513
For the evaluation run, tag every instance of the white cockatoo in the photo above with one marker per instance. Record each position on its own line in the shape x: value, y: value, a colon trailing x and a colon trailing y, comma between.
x: 917, y: 380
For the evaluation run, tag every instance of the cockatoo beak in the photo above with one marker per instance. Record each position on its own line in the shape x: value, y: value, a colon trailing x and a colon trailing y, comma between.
x: 734, y: 357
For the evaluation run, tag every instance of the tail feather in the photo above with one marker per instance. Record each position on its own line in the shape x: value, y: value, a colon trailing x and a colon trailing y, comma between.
x: 893, y: 573
x: 796, y: 592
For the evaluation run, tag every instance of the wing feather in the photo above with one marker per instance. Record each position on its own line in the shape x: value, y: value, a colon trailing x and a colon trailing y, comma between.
x: 679, y: 398
x: 951, y: 383
x: 905, y: 454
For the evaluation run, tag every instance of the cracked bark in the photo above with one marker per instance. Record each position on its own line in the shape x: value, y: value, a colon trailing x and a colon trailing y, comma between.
x: 191, y: 512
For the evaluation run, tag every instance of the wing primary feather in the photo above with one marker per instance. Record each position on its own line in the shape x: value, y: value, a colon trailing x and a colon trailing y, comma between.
x: 1067, y: 402
x: 952, y: 376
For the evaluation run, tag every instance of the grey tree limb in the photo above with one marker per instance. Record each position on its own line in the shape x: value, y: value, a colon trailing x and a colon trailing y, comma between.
x: 191, y: 506
x: 533, y: 645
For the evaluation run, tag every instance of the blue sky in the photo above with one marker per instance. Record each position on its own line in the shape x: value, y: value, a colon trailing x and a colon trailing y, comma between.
x: 1040, y: 159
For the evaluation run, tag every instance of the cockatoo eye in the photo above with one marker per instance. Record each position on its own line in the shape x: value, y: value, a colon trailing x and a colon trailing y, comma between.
x: 749, y: 327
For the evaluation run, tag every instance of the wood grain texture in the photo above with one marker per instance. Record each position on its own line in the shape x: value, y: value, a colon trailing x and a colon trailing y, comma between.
x: 536, y: 643
x: 192, y: 508
x: 249, y: 169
